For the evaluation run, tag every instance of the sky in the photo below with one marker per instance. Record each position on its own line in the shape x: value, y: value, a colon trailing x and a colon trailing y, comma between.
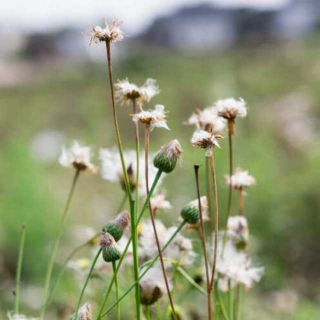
x: 37, y: 15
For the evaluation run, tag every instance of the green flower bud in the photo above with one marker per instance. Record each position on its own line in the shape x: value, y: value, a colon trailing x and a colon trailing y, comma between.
x: 110, y: 252
x: 117, y: 225
x: 168, y: 156
x: 191, y: 213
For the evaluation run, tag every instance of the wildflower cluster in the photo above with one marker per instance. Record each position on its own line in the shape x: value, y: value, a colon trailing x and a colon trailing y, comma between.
x: 158, y: 256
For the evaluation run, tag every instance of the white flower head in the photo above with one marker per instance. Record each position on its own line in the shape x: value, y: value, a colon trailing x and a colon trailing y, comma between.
x: 111, y: 32
x: 155, y: 118
x: 236, y: 266
x: 203, y: 203
x: 208, y: 120
x: 241, y: 179
x: 127, y: 92
x: 205, y: 140
x: 111, y: 169
x: 159, y: 202
x: 231, y: 108
x: 85, y: 312
x: 77, y: 156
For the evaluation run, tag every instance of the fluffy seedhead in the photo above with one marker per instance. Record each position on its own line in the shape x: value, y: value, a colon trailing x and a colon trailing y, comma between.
x: 111, y: 32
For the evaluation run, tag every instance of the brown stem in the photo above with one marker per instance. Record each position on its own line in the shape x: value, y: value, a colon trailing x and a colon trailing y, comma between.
x: 203, y: 244
x: 216, y: 218
x: 230, y: 133
x: 240, y: 202
x: 208, y: 186
x: 147, y: 143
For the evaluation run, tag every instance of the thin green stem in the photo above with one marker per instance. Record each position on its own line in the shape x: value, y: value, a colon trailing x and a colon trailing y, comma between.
x: 221, y: 303
x: 114, y: 267
x: 127, y: 183
x: 56, y: 245
x: 19, y: 268
x: 116, y: 124
x: 216, y: 218
x: 77, y: 249
x: 147, y: 145
x: 155, y: 182
x: 208, y: 194
x: 237, y: 303
x: 230, y: 133
x: 203, y: 244
x: 190, y: 280
x: 179, y: 228
x: 147, y: 312
x: 86, y: 283
x: 230, y: 300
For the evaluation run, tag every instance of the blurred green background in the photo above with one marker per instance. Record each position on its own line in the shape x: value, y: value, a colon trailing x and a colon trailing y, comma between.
x: 278, y: 143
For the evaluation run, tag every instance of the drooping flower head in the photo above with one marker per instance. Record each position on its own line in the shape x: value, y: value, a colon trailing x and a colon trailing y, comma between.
x: 168, y: 156
x: 111, y: 169
x: 231, y: 108
x: 127, y: 92
x: 152, y: 286
x: 205, y: 140
x: 155, y: 118
x: 77, y: 156
x: 85, y: 312
x: 117, y: 225
x: 110, y: 251
x: 241, y: 179
x: 208, y: 120
x: 111, y: 32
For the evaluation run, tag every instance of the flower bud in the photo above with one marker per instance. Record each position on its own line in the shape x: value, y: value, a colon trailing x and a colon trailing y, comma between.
x: 110, y: 252
x: 168, y: 156
x: 238, y: 231
x: 117, y: 225
x: 191, y: 214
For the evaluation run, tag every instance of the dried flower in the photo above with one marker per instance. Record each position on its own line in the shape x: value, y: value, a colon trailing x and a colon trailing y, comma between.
x: 205, y: 140
x: 155, y: 118
x: 236, y: 266
x: 152, y: 286
x: 110, y: 251
x: 231, y: 108
x: 77, y: 156
x: 180, y: 249
x: 85, y: 312
x: 241, y: 179
x: 191, y: 213
x: 208, y: 120
x: 111, y: 169
x: 168, y: 156
x: 159, y: 202
x: 127, y: 92
x: 117, y: 225
x: 111, y: 32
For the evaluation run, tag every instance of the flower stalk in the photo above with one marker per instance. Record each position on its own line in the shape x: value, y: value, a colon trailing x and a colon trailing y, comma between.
x: 203, y: 244
x: 55, y: 245
x: 114, y: 268
x: 19, y: 268
x: 126, y: 180
x: 147, y: 146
